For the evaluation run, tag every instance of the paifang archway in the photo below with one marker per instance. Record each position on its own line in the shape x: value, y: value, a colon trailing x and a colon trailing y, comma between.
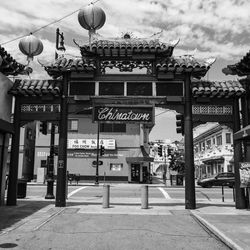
x: 169, y: 82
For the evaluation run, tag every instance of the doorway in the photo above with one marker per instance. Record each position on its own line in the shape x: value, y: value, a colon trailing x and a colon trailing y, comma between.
x: 135, y: 172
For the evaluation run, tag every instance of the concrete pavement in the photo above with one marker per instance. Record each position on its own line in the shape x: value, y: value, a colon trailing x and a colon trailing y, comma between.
x: 124, y: 225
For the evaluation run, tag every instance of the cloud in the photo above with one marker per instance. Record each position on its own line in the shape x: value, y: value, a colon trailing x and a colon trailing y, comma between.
x: 215, y: 28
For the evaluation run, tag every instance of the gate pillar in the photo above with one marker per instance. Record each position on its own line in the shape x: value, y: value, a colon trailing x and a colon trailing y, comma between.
x: 14, y: 156
x: 62, y: 148
x: 240, y: 201
x: 190, y: 202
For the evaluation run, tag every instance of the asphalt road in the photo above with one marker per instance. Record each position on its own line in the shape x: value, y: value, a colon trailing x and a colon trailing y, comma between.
x: 134, y: 191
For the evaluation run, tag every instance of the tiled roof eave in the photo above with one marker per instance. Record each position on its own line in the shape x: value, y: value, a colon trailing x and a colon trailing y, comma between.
x: 33, y: 88
x: 10, y: 66
x: 229, y: 89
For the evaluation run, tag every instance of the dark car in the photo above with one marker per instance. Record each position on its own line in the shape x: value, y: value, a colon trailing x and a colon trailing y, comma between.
x: 222, y: 179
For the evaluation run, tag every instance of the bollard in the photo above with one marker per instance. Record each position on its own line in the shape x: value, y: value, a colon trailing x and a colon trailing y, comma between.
x: 144, y: 197
x: 222, y: 193
x: 105, y: 201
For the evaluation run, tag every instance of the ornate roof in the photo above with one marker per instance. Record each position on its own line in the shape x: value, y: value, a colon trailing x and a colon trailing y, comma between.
x: 186, y: 63
x: 127, y: 48
x: 63, y: 64
x: 209, y: 89
x: 180, y: 64
x: 9, y: 66
x: 36, y: 87
x: 242, y: 68
x: 224, y: 89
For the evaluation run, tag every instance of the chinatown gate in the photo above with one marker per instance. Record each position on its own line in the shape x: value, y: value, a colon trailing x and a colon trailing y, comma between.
x: 130, y: 76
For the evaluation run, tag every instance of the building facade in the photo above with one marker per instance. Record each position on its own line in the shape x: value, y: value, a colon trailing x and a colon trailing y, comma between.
x: 213, y: 151
x: 125, y: 156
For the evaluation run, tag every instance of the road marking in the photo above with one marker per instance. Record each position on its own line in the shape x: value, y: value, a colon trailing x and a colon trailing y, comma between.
x: 75, y: 191
x: 166, y: 195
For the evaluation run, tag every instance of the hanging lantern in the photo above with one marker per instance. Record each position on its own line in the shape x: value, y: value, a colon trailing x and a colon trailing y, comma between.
x: 30, y: 46
x: 91, y: 18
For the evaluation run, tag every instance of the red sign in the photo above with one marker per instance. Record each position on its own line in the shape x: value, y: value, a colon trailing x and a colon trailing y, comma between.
x: 123, y: 113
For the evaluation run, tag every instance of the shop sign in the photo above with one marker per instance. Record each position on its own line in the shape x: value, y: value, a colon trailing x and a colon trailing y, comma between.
x: 89, y: 154
x: 123, y: 113
x: 40, y: 108
x: 108, y: 144
x: 244, y: 174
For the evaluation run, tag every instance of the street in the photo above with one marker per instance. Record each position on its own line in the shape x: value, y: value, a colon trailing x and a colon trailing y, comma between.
x: 92, y: 193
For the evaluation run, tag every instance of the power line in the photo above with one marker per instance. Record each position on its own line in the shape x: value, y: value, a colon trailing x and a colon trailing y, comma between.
x: 45, y: 26
x: 162, y: 113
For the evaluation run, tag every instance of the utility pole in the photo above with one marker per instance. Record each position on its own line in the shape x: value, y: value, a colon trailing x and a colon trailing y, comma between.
x: 50, y: 165
x: 50, y: 159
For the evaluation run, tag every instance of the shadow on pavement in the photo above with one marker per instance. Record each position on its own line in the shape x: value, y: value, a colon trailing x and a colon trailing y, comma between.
x: 10, y: 215
x: 202, y: 205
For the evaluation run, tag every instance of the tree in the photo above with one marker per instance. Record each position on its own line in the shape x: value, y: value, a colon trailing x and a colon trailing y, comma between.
x: 177, y: 162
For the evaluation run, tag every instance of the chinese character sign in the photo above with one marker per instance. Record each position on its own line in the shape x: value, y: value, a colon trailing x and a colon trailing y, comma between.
x: 244, y: 174
x: 108, y: 144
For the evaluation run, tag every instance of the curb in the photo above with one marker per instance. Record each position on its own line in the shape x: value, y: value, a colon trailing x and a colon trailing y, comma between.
x: 217, y: 232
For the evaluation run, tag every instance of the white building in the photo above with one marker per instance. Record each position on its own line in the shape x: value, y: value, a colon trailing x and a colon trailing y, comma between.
x: 213, y: 151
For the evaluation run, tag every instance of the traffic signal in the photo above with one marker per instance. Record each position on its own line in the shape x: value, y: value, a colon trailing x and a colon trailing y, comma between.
x: 43, y: 128
x: 56, y: 149
x: 180, y: 124
x: 160, y: 150
x: 102, y: 150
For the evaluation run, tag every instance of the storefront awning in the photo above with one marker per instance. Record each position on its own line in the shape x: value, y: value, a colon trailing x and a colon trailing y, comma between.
x: 219, y: 159
x: 140, y: 156
x: 242, y: 134
x: 139, y: 159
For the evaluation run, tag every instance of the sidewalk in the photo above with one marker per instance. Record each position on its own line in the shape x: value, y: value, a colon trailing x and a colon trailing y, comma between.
x: 232, y: 226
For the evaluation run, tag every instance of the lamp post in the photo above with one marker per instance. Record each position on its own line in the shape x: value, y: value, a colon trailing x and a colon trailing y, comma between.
x: 97, y: 155
x: 50, y: 163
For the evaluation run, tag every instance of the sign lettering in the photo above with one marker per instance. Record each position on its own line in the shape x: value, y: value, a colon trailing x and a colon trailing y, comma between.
x: 142, y: 114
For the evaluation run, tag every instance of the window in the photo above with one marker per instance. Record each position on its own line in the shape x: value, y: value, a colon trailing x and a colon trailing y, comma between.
x: 111, y: 88
x: 219, y: 140
x: 230, y: 168
x: 73, y: 125
x: 208, y: 144
x: 116, y: 166
x: 214, y: 141
x: 113, y: 127
x: 144, y: 89
x: 82, y: 88
x: 228, y: 138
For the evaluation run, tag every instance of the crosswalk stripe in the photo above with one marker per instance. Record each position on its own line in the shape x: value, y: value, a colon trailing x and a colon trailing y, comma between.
x: 166, y: 195
x: 75, y: 191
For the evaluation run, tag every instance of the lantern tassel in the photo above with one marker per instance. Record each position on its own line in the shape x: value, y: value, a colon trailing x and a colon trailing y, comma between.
x: 91, y: 33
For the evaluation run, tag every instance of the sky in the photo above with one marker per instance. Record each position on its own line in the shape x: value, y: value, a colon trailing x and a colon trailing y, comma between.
x: 206, y: 29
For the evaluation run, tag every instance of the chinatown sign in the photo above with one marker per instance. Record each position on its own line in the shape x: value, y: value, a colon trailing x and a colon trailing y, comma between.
x: 124, y: 113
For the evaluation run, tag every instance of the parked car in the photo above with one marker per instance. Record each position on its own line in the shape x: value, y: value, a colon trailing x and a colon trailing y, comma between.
x: 221, y: 179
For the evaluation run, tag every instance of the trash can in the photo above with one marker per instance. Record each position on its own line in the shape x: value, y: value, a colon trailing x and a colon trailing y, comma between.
x: 21, y: 188
x: 179, y: 180
x: 176, y: 180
